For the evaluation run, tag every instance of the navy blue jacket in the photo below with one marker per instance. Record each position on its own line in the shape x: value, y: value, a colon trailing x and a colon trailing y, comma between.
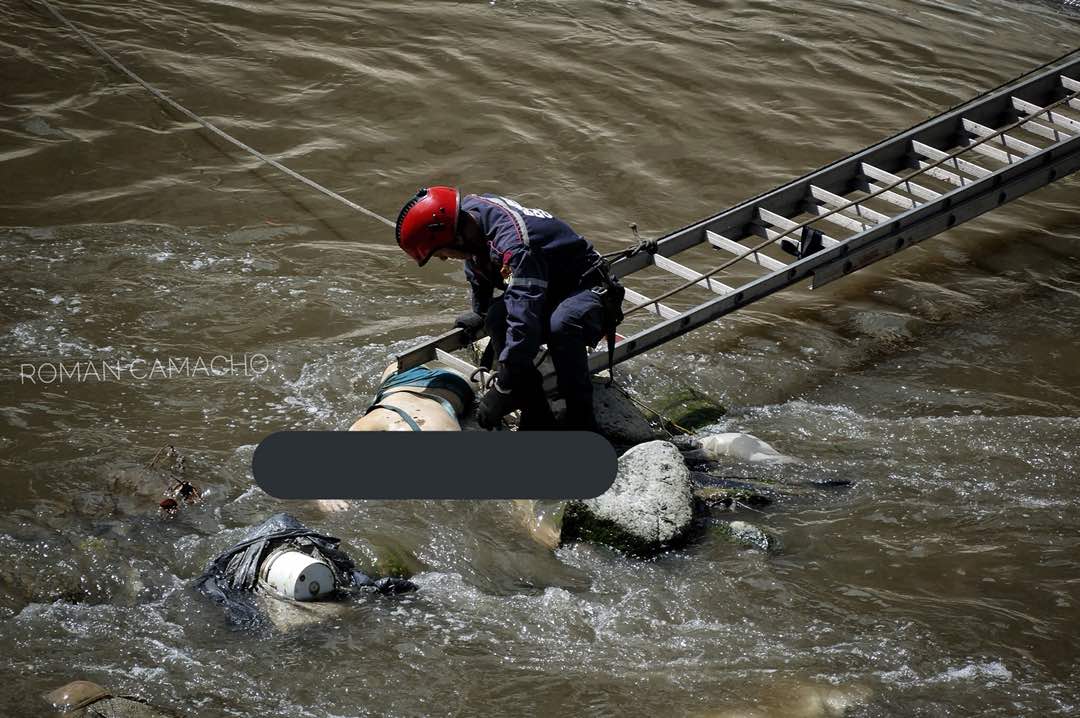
x: 535, y: 258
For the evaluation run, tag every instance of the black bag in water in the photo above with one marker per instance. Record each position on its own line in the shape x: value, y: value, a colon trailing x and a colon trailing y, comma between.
x: 232, y: 577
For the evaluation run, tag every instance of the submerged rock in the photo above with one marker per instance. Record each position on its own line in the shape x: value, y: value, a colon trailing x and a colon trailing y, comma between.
x: 392, y: 558
x: 543, y: 519
x: 690, y: 409
x: 750, y: 535
x: 727, y: 493
x: 649, y: 507
x: 89, y: 700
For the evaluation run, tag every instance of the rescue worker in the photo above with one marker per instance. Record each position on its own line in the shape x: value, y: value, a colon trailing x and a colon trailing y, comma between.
x: 553, y: 283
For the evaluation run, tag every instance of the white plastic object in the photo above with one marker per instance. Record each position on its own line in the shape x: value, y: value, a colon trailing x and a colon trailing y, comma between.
x: 741, y: 446
x: 298, y: 576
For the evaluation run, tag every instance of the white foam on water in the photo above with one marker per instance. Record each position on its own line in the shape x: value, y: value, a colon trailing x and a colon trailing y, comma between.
x: 992, y: 670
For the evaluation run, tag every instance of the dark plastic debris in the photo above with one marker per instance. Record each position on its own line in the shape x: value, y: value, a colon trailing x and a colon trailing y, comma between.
x: 232, y: 577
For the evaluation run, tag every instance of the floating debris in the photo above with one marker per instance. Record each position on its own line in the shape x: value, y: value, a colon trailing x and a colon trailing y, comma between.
x: 180, y: 491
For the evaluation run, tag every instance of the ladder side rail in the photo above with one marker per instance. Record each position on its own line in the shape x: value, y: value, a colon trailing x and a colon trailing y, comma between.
x: 890, y: 154
x: 915, y: 225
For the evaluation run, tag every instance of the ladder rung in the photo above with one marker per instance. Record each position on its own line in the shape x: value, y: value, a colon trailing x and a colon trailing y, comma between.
x: 1056, y: 118
x: 685, y: 272
x: 766, y: 232
x: 942, y: 174
x: 455, y: 362
x: 841, y: 220
x: 861, y: 213
x: 1051, y: 133
x: 960, y: 165
x: 889, y: 196
x: 1010, y: 142
x: 912, y: 188
x: 785, y: 223
x: 660, y: 310
x: 977, y: 143
x: 762, y: 260
x: 1074, y: 86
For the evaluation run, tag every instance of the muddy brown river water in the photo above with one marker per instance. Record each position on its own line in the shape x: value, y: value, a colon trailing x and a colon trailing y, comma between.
x: 944, y: 382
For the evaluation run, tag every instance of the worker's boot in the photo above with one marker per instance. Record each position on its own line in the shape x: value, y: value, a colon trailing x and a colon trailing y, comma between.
x: 579, y: 416
x: 537, y: 416
x: 530, y: 398
x: 536, y: 412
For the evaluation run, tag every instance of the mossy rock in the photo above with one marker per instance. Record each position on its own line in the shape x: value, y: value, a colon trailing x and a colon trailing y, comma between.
x: 691, y: 409
x: 388, y: 558
x: 580, y: 524
x: 726, y: 497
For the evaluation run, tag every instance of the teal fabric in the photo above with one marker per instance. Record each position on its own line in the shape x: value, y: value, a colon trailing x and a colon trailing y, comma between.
x: 423, y: 378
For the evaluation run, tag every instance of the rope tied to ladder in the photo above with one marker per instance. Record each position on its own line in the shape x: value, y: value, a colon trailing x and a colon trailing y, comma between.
x: 652, y: 246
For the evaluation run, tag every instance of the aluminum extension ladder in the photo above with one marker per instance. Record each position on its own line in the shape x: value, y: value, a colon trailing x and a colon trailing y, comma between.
x: 851, y: 213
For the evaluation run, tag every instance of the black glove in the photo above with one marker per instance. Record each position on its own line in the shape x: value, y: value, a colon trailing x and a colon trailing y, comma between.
x: 494, y: 405
x: 471, y: 322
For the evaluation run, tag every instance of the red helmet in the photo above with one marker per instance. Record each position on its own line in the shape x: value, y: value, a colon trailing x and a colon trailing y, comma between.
x: 428, y: 222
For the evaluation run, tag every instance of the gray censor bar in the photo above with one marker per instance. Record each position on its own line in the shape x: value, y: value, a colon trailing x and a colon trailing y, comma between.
x: 434, y: 465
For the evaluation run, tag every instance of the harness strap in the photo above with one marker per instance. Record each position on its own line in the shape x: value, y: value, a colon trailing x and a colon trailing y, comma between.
x: 397, y: 410
x: 434, y: 397
x: 611, y: 294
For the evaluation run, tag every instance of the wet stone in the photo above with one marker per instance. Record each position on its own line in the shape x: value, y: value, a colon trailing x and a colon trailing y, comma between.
x: 618, y: 418
x: 750, y: 535
x: 648, y: 508
x: 690, y: 409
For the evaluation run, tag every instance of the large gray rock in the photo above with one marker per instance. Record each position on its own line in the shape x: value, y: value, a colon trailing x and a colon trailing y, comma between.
x: 618, y: 418
x: 649, y: 506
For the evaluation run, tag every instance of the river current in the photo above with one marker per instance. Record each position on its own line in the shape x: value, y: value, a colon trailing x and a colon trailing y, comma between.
x: 944, y: 382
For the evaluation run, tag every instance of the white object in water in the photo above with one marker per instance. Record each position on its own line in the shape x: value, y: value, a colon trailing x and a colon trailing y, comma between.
x: 737, y: 445
x: 298, y: 576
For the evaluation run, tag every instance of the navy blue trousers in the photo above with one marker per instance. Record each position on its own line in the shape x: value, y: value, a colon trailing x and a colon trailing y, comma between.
x: 573, y: 326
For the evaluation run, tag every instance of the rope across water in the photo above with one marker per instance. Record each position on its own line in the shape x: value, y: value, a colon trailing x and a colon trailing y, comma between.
x: 101, y: 52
